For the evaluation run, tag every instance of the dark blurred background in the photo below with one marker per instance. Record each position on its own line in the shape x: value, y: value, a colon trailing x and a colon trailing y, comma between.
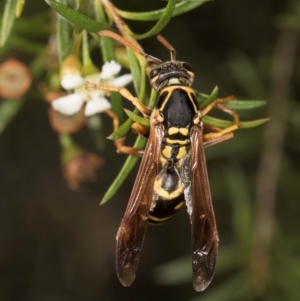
x: 58, y: 244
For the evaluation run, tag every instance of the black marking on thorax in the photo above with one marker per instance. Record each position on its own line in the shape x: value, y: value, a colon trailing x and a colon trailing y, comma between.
x: 178, y: 107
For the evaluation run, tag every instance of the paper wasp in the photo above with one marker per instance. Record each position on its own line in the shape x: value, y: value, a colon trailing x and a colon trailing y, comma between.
x: 173, y: 167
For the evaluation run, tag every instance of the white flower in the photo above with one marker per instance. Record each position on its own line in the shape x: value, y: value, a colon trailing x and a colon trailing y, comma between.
x: 95, y: 99
x: 122, y: 80
x: 69, y: 104
x: 109, y: 69
x: 71, y: 81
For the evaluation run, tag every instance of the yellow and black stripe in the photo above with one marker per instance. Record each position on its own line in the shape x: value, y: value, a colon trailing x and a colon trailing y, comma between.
x: 176, y: 108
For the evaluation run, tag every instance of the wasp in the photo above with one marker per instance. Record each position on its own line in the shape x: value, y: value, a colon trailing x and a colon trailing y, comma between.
x: 173, y: 168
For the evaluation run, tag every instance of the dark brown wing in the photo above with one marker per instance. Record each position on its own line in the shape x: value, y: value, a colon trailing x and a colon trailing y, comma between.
x: 133, y: 226
x: 203, y: 224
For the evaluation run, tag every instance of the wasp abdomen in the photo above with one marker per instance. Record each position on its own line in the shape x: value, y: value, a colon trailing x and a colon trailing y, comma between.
x: 168, y: 184
x: 164, y: 210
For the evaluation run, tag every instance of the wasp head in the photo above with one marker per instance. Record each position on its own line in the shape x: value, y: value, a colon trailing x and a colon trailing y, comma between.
x: 171, y: 73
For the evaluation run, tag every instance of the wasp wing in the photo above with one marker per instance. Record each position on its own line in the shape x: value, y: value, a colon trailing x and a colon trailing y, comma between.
x: 203, y: 224
x: 133, y: 226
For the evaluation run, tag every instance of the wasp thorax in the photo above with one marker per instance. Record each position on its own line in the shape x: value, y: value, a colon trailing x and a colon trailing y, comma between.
x: 171, y: 73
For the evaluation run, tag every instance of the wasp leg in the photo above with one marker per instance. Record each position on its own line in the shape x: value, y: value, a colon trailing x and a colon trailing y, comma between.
x: 236, y: 118
x: 210, y: 128
x: 139, y: 129
x: 120, y: 143
x: 126, y: 94
x: 212, y: 141
x: 218, y: 103
x: 127, y: 150
x: 228, y: 130
x: 234, y: 114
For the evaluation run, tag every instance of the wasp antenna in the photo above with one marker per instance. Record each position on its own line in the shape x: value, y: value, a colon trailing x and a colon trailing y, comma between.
x: 123, y: 41
x: 168, y: 46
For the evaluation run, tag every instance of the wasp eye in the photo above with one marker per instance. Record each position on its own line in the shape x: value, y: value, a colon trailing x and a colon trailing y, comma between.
x: 187, y: 67
x: 154, y: 72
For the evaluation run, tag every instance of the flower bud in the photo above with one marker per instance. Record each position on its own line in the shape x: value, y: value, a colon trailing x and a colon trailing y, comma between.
x: 79, y: 166
x: 15, y: 79
x: 70, y: 72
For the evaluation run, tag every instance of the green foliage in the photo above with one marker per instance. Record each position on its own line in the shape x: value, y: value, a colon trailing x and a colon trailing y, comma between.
x: 7, y: 21
x: 77, y: 18
x: 181, y: 7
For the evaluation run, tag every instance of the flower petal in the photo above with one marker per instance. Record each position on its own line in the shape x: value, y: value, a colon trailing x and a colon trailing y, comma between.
x: 69, y: 104
x: 122, y: 80
x: 109, y: 69
x: 71, y: 81
x: 97, y: 105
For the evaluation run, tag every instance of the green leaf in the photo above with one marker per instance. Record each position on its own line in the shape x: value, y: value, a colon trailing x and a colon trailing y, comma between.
x: 64, y: 42
x: 180, y: 8
x: 204, y: 100
x: 99, y: 12
x: 225, y: 123
x: 161, y: 23
x: 253, y: 123
x: 107, y: 49
x: 8, y: 20
x: 209, y: 99
x: 125, y: 171
x: 77, y: 18
x: 137, y: 118
x: 122, y: 130
x: 82, y: 7
x: 138, y: 73
x: 153, y: 99
x: 244, y: 104
x: 201, y: 97
x: 137, y: 68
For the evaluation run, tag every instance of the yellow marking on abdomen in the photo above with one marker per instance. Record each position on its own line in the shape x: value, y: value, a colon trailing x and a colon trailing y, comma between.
x: 166, y: 195
x: 179, y: 206
x: 167, y: 151
x: 184, y: 131
x: 177, y: 141
x: 173, y: 130
x: 156, y: 219
x: 181, y: 153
